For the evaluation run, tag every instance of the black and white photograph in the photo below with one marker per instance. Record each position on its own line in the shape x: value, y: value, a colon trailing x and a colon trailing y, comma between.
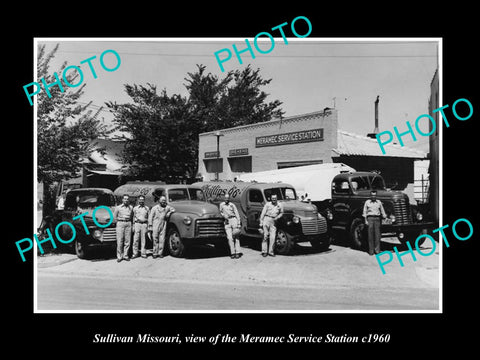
x: 214, y: 178
x: 267, y: 182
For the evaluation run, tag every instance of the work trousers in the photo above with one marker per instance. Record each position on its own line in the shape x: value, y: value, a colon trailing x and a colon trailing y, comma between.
x: 159, y: 238
x: 124, y: 233
x: 374, y: 234
x: 269, y: 235
x: 233, y: 242
x: 139, y: 233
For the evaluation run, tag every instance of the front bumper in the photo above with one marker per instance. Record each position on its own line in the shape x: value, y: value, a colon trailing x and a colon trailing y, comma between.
x: 407, y: 228
x: 322, y: 238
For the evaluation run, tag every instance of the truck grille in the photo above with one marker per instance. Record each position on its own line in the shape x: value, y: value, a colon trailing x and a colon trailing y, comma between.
x: 109, y: 234
x: 209, y: 228
x: 402, y: 212
x: 314, y: 226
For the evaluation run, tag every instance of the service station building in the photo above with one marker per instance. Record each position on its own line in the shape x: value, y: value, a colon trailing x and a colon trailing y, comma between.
x: 306, y: 139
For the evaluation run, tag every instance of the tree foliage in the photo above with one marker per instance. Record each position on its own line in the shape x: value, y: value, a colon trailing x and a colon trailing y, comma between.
x: 163, y: 130
x: 65, y: 128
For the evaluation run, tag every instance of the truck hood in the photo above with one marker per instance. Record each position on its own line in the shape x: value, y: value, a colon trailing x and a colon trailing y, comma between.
x: 102, y: 216
x: 296, y: 205
x: 195, y: 207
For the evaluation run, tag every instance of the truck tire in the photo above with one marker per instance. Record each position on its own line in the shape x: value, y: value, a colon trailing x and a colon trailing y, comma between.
x: 358, y: 237
x: 81, y: 249
x: 176, y: 246
x: 283, y: 242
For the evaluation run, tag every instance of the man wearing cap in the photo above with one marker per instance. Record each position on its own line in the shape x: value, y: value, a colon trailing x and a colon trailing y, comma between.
x: 157, y: 225
x: 123, y: 216
x: 232, y: 226
x: 140, y: 224
x: 272, y: 211
x: 373, y: 212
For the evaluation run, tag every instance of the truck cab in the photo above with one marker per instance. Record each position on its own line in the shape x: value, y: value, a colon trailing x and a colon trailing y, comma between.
x: 301, y: 221
x: 195, y: 221
x: 349, y: 193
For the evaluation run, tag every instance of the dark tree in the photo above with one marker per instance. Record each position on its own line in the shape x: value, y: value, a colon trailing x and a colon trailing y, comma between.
x: 65, y: 129
x: 162, y: 141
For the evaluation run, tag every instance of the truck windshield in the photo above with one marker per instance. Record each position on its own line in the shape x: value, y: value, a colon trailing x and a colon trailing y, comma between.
x: 186, y: 194
x: 377, y: 182
x: 89, y: 200
x: 283, y: 193
x: 178, y: 194
x: 360, y: 183
x: 196, y: 194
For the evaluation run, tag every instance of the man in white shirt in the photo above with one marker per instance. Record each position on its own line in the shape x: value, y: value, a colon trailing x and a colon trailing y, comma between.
x: 373, y: 212
x: 272, y: 211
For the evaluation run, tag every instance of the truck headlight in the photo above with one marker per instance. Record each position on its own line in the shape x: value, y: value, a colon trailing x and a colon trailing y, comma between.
x: 419, y: 216
x: 329, y: 215
x: 97, y: 233
x: 187, y: 220
x: 392, y: 218
x: 296, y: 219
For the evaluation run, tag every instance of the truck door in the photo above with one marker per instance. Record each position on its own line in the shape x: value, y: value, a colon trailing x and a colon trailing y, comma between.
x: 255, y: 204
x: 341, y: 202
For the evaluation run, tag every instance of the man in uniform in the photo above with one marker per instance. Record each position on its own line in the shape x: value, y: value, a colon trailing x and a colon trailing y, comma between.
x: 272, y: 211
x: 373, y: 212
x: 123, y: 216
x: 157, y: 225
x: 232, y: 226
x: 140, y: 223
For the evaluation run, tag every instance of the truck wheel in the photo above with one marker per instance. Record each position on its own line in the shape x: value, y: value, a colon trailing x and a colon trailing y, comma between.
x: 175, y: 243
x: 81, y: 250
x: 357, y: 234
x: 283, y: 242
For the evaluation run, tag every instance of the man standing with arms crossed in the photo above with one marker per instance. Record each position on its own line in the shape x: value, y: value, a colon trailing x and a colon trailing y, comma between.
x: 232, y: 226
x: 157, y: 225
x: 373, y: 212
x: 140, y: 223
x: 272, y: 211
x: 123, y: 216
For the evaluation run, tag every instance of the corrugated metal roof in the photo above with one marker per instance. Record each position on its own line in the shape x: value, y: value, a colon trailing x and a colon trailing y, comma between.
x: 353, y: 144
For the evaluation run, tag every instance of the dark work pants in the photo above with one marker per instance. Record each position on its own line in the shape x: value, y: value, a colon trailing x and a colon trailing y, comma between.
x: 374, y: 234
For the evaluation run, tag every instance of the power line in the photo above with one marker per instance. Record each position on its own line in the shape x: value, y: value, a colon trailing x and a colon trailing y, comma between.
x: 270, y: 56
x: 310, y: 41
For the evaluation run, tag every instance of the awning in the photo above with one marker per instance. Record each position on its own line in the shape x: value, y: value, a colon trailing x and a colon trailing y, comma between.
x: 350, y: 144
x: 104, y: 172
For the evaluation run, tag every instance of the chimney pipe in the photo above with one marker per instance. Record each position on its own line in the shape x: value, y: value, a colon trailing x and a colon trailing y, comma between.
x: 375, y: 131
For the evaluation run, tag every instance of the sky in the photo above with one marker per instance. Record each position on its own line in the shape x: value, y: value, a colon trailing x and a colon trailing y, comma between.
x: 308, y: 74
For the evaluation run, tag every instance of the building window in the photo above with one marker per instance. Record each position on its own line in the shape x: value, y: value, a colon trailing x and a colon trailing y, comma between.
x: 214, y: 165
x: 240, y: 164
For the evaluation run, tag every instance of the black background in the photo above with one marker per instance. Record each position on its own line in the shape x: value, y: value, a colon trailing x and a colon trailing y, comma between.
x: 412, y: 334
